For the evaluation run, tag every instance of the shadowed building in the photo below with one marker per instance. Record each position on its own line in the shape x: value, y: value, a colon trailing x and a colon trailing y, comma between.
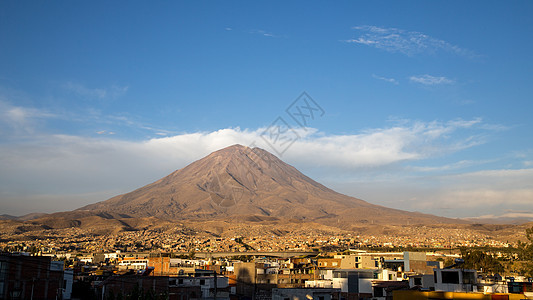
x: 31, y: 277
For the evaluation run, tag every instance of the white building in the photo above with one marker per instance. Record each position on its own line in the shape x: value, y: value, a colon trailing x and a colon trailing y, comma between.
x: 135, y: 264
x: 455, y: 280
x: 68, y: 280
x: 353, y: 281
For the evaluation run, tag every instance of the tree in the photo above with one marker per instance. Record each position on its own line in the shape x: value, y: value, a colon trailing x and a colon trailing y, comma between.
x: 479, y: 260
x: 526, y: 253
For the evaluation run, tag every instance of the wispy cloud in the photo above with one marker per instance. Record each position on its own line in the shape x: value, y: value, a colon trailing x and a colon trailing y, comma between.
x: 22, y: 119
x: 391, y: 80
x: 510, y: 215
x: 430, y: 80
x: 105, y: 132
x: 22, y: 122
x: 406, y: 42
x: 449, y: 167
x: 265, y: 33
x: 80, y: 90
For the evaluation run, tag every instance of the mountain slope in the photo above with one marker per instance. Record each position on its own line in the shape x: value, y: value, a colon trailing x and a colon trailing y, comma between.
x: 242, y: 181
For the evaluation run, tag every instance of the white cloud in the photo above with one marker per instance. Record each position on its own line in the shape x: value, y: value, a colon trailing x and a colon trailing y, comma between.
x: 406, y: 42
x: 488, y: 192
x: 391, y: 80
x: 74, y: 165
x: 431, y: 80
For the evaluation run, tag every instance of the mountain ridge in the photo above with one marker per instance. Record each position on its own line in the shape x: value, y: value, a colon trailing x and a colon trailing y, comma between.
x: 243, y: 181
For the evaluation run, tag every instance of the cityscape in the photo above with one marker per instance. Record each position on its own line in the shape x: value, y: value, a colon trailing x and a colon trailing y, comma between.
x: 152, y: 265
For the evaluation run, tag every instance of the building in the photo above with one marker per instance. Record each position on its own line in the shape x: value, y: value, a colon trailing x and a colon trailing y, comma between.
x: 416, y: 262
x: 455, y: 280
x: 422, y: 282
x: 180, y: 287
x: 32, y: 277
x: 383, y: 290
x: 133, y: 263
x: 354, y: 283
x: 209, y: 285
x: 133, y: 286
x: 357, y: 261
x: 306, y: 294
x: 329, y: 262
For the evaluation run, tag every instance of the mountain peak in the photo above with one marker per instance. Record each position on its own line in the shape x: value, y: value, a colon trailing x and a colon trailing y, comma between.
x: 238, y: 148
x: 232, y: 148
x: 244, y: 156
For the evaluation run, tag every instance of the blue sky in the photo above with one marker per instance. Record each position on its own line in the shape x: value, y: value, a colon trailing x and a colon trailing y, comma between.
x: 425, y: 106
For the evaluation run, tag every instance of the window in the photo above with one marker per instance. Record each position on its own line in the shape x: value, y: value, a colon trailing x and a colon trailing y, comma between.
x: 469, y: 278
x: 450, y: 277
x: 390, y: 276
x: 418, y: 281
x: 180, y: 281
x: 378, y: 292
x: 202, y: 281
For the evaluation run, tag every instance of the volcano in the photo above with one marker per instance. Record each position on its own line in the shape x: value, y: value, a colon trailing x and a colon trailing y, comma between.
x: 239, y: 181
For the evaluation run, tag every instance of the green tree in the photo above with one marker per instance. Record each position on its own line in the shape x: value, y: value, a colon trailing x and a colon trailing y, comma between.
x: 526, y: 253
x: 479, y: 260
